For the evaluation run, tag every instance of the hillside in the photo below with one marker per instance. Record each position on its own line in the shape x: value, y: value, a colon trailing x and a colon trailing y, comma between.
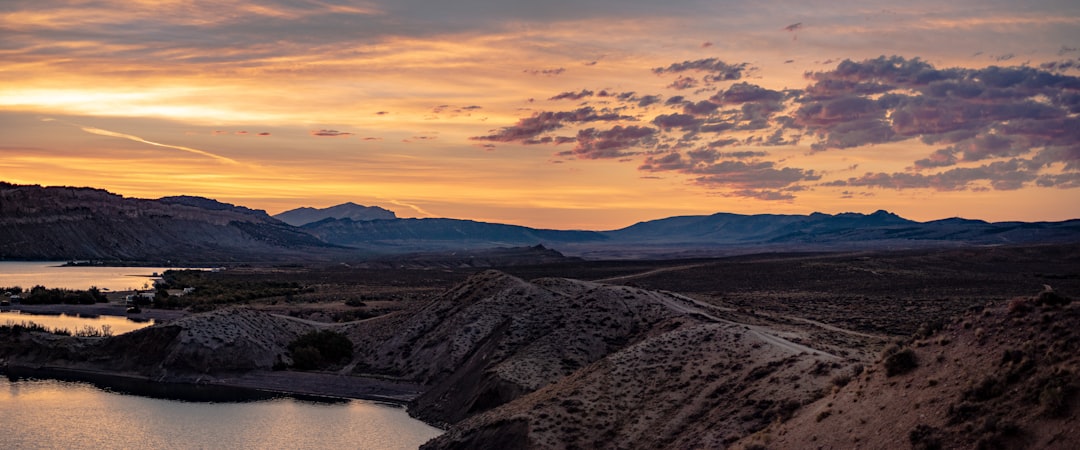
x: 427, y: 235
x: 1003, y: 377
x: 558, y: 362
x: 64, y: 223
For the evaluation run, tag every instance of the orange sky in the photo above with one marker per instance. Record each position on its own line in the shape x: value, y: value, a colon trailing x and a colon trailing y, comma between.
x: 557, y: 114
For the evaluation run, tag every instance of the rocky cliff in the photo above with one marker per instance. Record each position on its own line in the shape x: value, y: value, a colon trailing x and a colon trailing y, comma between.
x: 58, y: 223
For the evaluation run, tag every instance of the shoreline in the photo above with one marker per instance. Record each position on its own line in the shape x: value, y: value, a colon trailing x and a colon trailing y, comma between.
x: 102, y: 309
x: 244, y: 386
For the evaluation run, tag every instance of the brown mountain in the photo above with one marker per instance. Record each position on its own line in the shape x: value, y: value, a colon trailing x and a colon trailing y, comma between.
x: 58, y: 223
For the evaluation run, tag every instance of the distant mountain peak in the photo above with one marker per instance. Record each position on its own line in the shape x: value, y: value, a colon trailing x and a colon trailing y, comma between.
x: 348, y: 210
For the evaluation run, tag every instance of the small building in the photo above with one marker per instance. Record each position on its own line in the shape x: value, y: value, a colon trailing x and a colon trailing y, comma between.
x: 138, y: 297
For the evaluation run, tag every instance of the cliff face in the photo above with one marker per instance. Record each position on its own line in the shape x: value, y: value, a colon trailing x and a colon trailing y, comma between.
x: 57, y: 223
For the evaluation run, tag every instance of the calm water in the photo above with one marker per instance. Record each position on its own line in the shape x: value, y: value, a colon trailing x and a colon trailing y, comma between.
x: 63, y: 414
x: 51, y: 275
x: 116, y: 324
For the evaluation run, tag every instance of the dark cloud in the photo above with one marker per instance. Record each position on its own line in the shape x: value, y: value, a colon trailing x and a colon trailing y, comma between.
x: 701, y: 108
x: 687, y: 122
x: 612, y: 143
x: 752, y: 175
x: 648, y: 100
x: 330, y: 133
x: 715, y: 69
x: 995, y: 128
x: 545, y: 72
x: 528, y: 130
x: 683, y: 82
x: 794, y: 26
x: 570, y: 95
x: 714, y: 171
x: 264, y: 133
x: 744, y: 92
x: 1062, y: 181
x: 1000, y: 175
x: 763, y: 194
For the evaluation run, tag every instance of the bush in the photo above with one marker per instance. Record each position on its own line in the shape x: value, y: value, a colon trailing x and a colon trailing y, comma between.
x: 924, y: 437
x: 319, y: 349
x: 900, y: 362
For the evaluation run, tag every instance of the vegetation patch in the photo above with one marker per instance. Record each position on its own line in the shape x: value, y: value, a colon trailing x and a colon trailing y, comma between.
x: 900, y: 362
x: 320, y: 349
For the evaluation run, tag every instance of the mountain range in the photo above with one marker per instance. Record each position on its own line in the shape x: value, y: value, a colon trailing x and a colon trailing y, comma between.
x: 50, y: 223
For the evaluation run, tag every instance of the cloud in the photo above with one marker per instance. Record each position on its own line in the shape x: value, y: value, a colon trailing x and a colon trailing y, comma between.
x: 570, y: 95
x: 715, y: 69
x: 528, y: 129
x: 545, y: 72
x: 684, y: 82
x: 330, y: 133
x: 687, y: 122
x: 744, y: 92
x: 999, y: 128
x: 1001, y: 175
x: 763, y: 194
x: 647, y: 100
x: 611, y: 143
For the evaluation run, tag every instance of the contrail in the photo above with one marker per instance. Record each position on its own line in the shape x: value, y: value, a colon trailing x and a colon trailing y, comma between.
x: 101, y: 132
x: 413, y: 207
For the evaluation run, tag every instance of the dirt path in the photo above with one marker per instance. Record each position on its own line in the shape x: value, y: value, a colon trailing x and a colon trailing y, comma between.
x: 689, y: 306
x: 648, y: 273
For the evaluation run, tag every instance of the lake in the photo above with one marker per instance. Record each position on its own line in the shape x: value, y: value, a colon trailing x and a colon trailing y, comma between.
x: 64, y: 414
x: 73, y: 323
x: 52, y: 274
x: 36, y: 413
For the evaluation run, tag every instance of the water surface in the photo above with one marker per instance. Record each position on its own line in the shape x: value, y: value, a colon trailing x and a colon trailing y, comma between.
x: 65, y: 414
x: 52, y: 274
x: 73, y: 323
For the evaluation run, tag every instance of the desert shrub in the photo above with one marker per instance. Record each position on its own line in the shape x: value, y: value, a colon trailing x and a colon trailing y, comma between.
x: 900, y: 362
x: 306, y: 358
x: 924, y: 437
x: 997, y: 434
x: 986, y: 389
x: 40, y: 295
x: 318, y: 349
x: 1054, y: 394
x: 1019, y: 306
x: 1051, y: 298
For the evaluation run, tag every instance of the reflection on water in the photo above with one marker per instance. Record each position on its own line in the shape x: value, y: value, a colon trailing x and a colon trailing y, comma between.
x: 52, y: 275
x: 67, y: 414
x: 115, y: 324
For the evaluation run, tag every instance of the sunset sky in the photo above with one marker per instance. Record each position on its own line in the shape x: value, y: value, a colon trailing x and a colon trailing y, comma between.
x: 586, y: 114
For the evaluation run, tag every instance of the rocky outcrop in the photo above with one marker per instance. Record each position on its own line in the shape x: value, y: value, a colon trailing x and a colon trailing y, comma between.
x: 58, y: 223
x: 226, y: 340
